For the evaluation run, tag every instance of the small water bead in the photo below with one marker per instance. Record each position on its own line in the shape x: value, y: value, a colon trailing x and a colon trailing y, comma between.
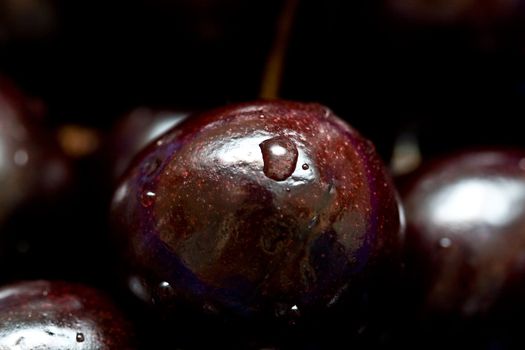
x: 287, y: 312
x: 147, y: 198
x: 80, y: 337
x: 280, y: 157
x: 445, y: 242
x: 164, y: 292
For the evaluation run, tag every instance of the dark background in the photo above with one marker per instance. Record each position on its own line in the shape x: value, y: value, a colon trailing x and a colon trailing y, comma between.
x: 453, y: 82
x: 458, y: 81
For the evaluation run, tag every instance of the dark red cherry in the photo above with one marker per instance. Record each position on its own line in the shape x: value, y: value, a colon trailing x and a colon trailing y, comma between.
x: 265, y: 207
x: 59, y: 315
x: 35, y: 182
x: 466, y: 230
x: 135, y: 130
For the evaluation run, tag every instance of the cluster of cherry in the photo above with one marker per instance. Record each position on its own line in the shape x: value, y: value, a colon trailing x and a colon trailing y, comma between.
x: 273, y: 213
x: 272, y: 224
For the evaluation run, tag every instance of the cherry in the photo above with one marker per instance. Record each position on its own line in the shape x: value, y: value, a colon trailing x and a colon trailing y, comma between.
x: 256, y: 209
x: 36, y: 181
x: 466, y: 231
x: 30, y: 165
x: 60, y: 315
x: 135, y: 130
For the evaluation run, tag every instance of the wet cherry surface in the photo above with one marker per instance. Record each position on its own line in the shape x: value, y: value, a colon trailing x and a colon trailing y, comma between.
x: 258, y: 208
x: 60, y: 316
x: 466, y: 231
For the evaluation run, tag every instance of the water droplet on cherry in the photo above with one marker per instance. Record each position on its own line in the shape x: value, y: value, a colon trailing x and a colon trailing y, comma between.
x: 280, y: 157
x: 147, y: 198
x: 80, y: 337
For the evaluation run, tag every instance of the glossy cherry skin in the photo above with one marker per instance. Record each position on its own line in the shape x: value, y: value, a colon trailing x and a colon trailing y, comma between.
x: 60, y: 316
x: 466, y: 230
x: 135, y: 130
x: 257, y: 208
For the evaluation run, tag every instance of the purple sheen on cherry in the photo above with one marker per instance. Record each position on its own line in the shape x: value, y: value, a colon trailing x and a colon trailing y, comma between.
x: 60, y: 315
x: 135, y: 130
x: 254, y: 209
x: 466, y: 231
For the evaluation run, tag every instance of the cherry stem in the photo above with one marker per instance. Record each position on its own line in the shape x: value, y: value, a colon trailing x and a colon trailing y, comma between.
x: 272, y: 76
